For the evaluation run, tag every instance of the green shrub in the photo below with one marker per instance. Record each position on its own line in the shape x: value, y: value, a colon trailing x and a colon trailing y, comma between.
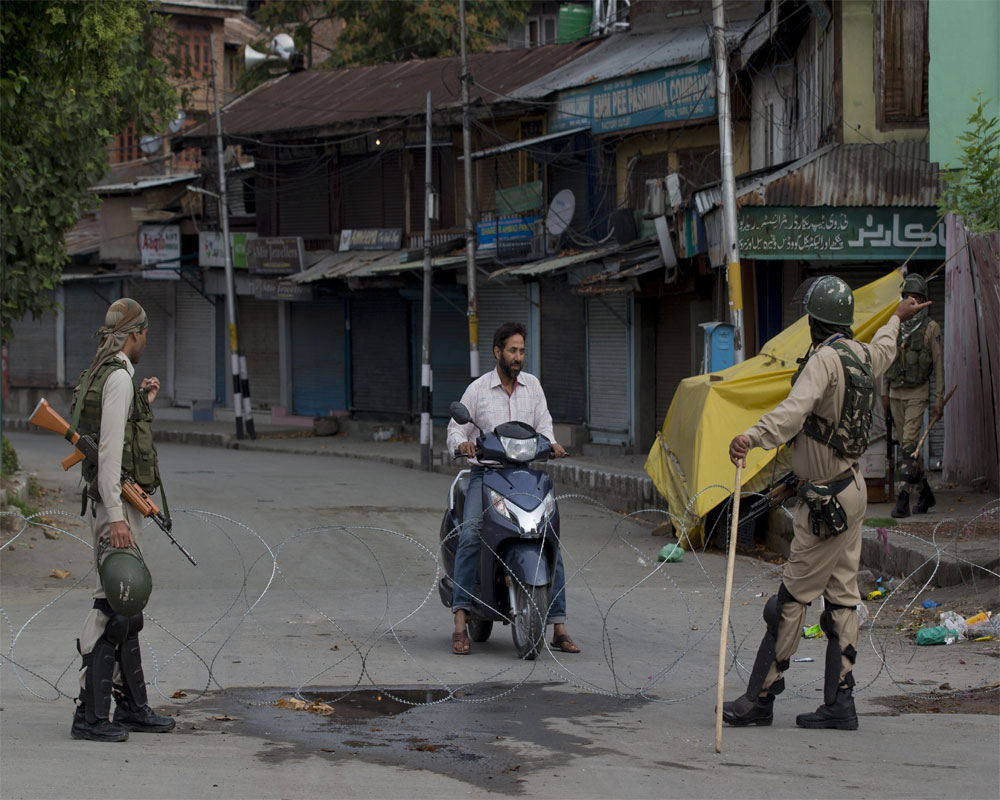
x: 10, y: 464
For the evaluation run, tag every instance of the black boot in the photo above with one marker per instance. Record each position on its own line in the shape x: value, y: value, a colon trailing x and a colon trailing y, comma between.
x: 926, y: 498
x: 840, y: 715
x: 139, y: 718
x: 902, y: 508
x: 744, y: 711
x: 99, y: 731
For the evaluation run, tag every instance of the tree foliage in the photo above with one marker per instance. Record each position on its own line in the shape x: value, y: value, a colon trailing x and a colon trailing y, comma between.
x: 72, y: 76
x: 377, y: 31
x: 973, y: 189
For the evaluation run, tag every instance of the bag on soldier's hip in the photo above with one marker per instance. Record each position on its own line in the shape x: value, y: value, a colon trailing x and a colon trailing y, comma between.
x: 826, y: 515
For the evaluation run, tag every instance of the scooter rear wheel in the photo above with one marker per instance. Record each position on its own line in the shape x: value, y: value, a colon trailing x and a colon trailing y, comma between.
x: 528, y: 625
x: 479, y: 629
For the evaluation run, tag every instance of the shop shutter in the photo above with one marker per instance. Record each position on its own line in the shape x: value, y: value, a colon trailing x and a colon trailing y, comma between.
x: 32, y: 353
x: 319, y: 378
x: 156, y: 298
x: 563, y: 349
x: 497, y: 303
x: 449, y: 349
x: 380, y: 355
x: 194, y: 350
x: 85, y: 307
x: 673, y: 349
x: 608, y: 368
x: 258, y: 329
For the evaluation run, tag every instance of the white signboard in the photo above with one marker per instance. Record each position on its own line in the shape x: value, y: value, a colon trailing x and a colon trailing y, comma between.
x: 160, y: 251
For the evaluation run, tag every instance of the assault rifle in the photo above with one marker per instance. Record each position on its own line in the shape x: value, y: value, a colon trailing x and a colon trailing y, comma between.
x: 44, y: 416
x: 782, y: 490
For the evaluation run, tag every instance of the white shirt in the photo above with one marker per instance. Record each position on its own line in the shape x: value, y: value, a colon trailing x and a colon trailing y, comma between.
x: 490, y: 405
x: 116, y: 403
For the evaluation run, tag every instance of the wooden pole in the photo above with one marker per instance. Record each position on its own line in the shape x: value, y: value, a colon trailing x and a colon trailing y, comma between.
x: 933, y: 422
x: 724, y: 627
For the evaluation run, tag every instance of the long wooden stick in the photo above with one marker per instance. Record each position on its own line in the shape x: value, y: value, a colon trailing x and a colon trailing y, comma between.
x: 727, y: 599
x: 933, y: 421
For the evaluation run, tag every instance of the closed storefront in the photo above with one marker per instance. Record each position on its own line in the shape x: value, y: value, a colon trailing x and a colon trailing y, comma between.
x: 380, y: 355
x: 194, y: 367
x: 449, y: 349
x: 157, y: 299
x: 32, y: 353
x: 319, y: 359
x: 497, y: 303
x: 85, y: 305
x: 258, y: 328
x: 609, y: 372
x: 563, y: 351
x: 679, y: 344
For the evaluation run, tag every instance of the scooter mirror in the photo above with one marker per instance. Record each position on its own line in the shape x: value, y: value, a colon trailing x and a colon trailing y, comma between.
x: 459, y: 413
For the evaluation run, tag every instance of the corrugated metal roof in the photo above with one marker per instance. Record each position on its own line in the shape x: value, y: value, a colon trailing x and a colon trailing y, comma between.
x: 84, y: 237
x: 141, y: 184
x: 892, y: 174
x: 559, y: 262
x: 316, y: 99
x: 628, y: 53
x: 241, y: 30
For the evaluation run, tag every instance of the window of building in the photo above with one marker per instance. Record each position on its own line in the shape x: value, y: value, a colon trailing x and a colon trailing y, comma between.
x: 901, y: 59
x: 528, y: 168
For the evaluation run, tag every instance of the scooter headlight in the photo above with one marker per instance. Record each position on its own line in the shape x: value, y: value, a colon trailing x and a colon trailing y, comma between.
x: 499, y: 504
x: 519, y: 449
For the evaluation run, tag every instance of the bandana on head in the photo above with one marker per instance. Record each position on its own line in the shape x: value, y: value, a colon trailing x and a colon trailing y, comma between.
x: 124, y: 317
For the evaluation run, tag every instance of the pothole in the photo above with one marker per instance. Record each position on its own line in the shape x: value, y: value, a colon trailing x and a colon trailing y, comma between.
x: 362, y: 705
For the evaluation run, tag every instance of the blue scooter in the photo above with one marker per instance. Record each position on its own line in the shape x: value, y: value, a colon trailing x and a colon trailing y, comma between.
x: 520, y: 535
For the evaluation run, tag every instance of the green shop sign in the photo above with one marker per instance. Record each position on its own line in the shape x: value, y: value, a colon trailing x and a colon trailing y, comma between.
x: 829, y: 232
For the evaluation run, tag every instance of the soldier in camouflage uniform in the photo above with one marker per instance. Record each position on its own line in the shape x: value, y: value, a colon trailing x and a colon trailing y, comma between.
x: 918, y: 354
x: 827, y: 418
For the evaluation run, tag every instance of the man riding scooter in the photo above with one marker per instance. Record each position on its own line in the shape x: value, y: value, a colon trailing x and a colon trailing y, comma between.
x: 504, y: 394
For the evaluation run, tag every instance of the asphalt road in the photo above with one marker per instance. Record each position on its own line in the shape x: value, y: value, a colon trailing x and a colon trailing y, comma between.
x: 317, y: 576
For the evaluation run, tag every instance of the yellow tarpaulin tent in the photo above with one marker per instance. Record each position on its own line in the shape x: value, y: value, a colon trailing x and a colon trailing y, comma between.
x: 689, y: 461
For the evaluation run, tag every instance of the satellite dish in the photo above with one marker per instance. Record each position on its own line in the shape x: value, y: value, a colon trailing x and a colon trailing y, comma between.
x: 560, y: 212
x: 150, y: 143
x: 178, y: 122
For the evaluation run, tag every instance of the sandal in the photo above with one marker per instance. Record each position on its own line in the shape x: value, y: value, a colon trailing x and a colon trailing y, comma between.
x: 460, y: 644
x: 565, y: 644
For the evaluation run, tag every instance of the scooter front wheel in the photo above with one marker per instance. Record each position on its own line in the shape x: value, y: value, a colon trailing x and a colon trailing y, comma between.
x: 479, y: 629
x: 528, y: 625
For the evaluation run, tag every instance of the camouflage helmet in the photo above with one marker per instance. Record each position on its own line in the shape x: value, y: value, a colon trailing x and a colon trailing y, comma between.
x: 915, y: 284
x: 831, y: 300
x: 125, y: 579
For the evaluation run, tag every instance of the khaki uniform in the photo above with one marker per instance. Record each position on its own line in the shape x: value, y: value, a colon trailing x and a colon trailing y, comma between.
x: 116, y: 401
x: 908, y: 405
x: 822, y: 567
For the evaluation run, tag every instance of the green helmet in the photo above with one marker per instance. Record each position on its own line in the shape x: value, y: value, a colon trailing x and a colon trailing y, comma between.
x: 125, y: 579
x: 831, y: 300
x: 915, y: 284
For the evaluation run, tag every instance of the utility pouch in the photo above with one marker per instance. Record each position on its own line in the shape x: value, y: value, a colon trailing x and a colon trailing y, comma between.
x: 826, y: 515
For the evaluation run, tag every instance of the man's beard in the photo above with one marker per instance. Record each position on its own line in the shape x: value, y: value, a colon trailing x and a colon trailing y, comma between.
x: 508, y: 369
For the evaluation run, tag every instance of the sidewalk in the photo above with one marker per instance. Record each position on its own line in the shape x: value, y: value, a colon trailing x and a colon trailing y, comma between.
x: 940, y: 546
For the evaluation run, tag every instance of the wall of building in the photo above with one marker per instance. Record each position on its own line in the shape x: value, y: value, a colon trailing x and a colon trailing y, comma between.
x: 119, y: 241
x: 858, y: 65
x: 964, y: 59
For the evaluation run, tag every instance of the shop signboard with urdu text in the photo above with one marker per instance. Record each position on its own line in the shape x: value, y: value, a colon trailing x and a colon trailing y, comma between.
x: 840, y: 233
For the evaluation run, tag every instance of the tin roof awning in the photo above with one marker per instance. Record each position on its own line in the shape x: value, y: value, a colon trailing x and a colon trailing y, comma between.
x: 891, y: 174
x: 522, y: 143
x: 625, y: 54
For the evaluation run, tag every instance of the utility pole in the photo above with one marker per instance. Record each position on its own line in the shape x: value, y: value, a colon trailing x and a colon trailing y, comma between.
x: 470, y: 230
x: 426, y: 380
x: 241, y: 383
x: 731, y: 235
